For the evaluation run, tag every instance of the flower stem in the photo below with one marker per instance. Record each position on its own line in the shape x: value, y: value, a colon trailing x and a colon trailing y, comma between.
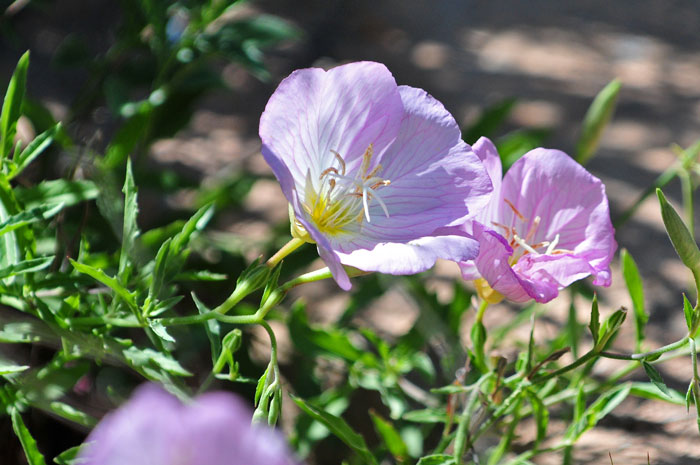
x: 288, y: 248
x: 310, y: 277
x: 482, y: 309
x: 641, y: 356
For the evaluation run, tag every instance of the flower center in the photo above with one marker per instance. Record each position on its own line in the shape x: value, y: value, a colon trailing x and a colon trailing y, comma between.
x: 523, y: 245
x: 342, y: 200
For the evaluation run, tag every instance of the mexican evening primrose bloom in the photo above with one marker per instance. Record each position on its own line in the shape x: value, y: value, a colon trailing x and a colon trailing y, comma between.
x: 154, y: 428
x: 375, y: 174
x: 546, y: 226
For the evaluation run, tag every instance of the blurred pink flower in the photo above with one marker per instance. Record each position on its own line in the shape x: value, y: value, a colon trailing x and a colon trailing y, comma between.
x: 546, y: 226
x: 376, y: 174
x: 154, y: 428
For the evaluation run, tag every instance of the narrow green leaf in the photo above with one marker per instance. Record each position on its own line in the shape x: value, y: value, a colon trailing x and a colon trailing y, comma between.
x: 541, y: 415
x: 634, y: 286
x: 211, y: 327
x: 439, y: 459
x: 610, y: 327
x: 8, y: 368
x: 478, y: 335
x: 130, y: 229
x: 73, y: 414
x: 161, y: 331
x: 196, y: 223
x: 340, y: 428
x: 29, y: 216
x: 108, y: 281
x: 35, y: 148
x: 31, y: 451
x: 688, y: 312
x: 594, y: 325
x: 12, y: 106
x: 262, y: 384
x: 147, y: 359
x: 655, y: 378
x: 597, y: 117
x: 58, y: 191
x: 70, y: 456
x: 391, y: 438
x: 689, y: 396
x: 429, y: 415
x: 682, y: 241
x: 650, y: 391
x: 27, y: 266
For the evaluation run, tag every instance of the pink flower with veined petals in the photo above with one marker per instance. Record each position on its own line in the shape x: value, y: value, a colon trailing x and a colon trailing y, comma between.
x: 376, y: 174
x: 546, y: 226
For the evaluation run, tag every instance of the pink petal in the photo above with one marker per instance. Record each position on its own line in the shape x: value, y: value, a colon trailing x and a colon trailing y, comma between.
x: 315, y: 112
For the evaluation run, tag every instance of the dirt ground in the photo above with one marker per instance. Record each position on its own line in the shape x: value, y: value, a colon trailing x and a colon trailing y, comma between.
x: 553, y: 56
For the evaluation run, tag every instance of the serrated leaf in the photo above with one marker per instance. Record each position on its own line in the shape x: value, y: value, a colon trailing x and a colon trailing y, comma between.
x: 655, y: 378
x: 633, y: 281
x: 12, y: 106
x: 597, y: 117
x: 161, y: 331
x: 147, y: 359
x: 339, y: 428
x: 58, y: 191
x: 391, y: 438
x: 31, y: 451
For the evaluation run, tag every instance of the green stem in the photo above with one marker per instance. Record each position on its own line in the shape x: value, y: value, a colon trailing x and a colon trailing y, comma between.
x: 667, y: 348
x: 462, y: 434
x: 482, y: 309
x: 312, y: 276
x: 586, y: 357
x: 288, y: 248
x: 501, y: 410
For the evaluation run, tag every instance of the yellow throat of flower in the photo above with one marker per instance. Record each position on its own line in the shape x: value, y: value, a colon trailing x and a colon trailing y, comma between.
x: 341, y: 201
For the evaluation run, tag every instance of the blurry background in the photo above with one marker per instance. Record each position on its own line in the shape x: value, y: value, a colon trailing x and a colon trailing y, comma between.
x: 551, y: 56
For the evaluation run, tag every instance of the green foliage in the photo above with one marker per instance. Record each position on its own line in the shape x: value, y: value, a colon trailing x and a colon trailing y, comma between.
x: 12, y: 106
x: 633, y: 281
x: 340, y: 428
x: 105, y: 292
x: 680, y: 236
x: 597, y: 117
x: 31, y: 451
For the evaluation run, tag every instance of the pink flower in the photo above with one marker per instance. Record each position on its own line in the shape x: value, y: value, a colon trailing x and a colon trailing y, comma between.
x: 154, y: 428
x: 376, y: 174
x: 546, y: 226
